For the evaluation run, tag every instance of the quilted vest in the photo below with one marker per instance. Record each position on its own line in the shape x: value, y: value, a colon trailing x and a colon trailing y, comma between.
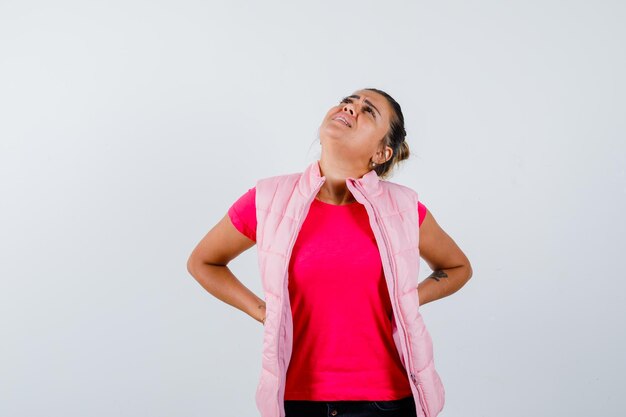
x: 282, y: 203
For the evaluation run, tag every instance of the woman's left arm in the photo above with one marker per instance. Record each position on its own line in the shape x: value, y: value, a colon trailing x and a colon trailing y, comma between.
x: 451, y: 268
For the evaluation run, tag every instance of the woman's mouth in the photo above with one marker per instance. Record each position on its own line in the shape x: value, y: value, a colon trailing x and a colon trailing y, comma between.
x: 343, y: 120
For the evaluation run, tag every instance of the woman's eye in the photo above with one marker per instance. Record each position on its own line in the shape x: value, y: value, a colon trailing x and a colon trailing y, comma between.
x: 365, y: 108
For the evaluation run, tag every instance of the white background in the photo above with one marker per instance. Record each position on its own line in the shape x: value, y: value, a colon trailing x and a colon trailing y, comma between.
x: 127, y: 129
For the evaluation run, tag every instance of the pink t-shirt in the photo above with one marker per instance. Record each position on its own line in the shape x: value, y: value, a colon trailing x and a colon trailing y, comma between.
x: 342, y: 344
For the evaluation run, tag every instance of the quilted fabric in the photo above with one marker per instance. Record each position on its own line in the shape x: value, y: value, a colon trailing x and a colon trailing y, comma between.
x: 282, y: 203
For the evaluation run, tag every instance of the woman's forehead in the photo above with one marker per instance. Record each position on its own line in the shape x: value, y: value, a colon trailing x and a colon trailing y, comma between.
x: 372, y: 95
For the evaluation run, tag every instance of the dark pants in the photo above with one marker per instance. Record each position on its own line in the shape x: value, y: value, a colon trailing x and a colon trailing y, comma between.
x: 395, y: 408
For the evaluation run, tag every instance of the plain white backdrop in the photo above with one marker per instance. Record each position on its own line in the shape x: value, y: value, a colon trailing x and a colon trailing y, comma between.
x: 127, y: 129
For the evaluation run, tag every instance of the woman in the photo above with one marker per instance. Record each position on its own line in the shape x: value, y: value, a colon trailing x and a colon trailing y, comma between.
x: 339, y: 250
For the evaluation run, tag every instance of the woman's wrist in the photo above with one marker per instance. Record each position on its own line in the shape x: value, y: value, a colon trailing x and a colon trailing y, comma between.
x: 262, y: 312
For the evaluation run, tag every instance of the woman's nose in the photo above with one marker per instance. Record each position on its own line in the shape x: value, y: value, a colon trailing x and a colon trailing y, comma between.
x: 349, y: 108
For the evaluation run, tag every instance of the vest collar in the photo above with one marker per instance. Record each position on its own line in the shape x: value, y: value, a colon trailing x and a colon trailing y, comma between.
x: 311, y: 179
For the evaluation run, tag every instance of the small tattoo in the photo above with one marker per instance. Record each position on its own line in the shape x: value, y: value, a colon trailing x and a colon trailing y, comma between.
x: 438, y: 274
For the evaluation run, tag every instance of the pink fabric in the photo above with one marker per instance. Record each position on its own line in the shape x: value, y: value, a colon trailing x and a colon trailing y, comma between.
x: 340, y: 306
x: 282, y: 203
x: 243, y: 214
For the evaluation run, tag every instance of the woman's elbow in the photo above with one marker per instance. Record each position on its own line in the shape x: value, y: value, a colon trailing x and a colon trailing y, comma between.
x: 469, y: 271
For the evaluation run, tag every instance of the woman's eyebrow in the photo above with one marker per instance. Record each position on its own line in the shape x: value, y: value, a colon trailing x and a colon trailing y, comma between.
x: 366, y: 101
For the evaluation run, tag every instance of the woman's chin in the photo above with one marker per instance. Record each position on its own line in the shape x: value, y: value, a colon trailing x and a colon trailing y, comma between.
x: 332, y: 134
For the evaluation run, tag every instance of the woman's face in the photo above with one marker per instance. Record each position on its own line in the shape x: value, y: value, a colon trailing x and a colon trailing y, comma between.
x: 354, y: 127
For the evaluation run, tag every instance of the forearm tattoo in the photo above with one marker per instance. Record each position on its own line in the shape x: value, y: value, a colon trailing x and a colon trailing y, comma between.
x: 436, y: 275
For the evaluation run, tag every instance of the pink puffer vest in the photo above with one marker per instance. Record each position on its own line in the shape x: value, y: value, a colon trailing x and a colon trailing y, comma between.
x: 282, y: 203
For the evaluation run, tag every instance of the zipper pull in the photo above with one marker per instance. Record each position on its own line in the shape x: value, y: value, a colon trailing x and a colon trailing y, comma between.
x: 413, y: 378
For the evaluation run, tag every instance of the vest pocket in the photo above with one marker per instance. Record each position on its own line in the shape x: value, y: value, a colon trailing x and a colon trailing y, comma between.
x: 430, y: 389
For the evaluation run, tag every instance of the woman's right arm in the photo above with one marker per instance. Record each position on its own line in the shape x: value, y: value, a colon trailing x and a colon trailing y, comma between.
x: 208, y: 265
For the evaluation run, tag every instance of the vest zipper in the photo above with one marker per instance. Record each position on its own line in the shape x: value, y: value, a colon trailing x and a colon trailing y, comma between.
x: 422, y: 401
x: 285, y: 285
x: 395, y: 288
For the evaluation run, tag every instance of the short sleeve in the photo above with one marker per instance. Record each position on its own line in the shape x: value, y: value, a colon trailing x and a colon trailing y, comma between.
x: 421, y: 211
x: 243, y: 214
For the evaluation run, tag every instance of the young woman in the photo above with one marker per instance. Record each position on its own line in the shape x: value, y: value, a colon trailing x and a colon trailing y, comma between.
x: 339, y: 248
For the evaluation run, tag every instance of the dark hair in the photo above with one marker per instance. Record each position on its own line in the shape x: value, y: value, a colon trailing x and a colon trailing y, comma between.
x: 395, y: 137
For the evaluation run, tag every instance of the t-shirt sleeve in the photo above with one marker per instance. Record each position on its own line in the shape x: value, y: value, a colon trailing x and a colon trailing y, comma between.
x: 243, y: 214
x: 421, y: 211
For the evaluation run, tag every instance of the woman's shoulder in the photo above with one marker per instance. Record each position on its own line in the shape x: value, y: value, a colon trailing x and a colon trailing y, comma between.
x: 421, y: 211
x: 242, y: 213
x: 245, y: 200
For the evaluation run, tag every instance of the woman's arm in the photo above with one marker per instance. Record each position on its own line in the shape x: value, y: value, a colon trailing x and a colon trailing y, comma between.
x: 451, y: 268
x: 207, y: 264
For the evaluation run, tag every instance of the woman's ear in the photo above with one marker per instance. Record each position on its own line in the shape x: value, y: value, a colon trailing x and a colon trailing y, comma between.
x: 383, y: 156
x: 388, y: 153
